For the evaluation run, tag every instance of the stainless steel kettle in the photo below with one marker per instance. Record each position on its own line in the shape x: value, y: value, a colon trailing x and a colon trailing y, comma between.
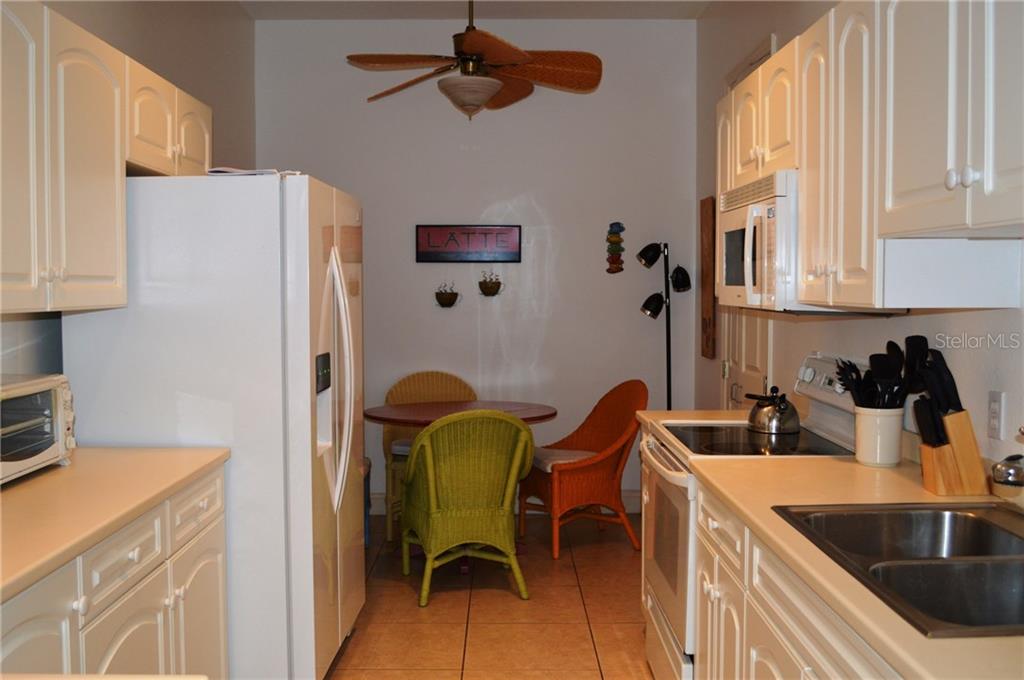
x: 773, y: 414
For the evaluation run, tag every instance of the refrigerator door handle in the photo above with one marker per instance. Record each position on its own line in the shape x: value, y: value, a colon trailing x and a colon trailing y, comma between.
x: 344, y: 450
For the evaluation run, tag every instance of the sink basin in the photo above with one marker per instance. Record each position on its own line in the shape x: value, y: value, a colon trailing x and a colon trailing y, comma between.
x: 949, y: 570
x: 987, y: 593
x: 914, y: 534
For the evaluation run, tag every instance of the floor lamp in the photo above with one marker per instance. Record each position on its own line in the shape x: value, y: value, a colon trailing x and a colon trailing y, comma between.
x: 655, y: 302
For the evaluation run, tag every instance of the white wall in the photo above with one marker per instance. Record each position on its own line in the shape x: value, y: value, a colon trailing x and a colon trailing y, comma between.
x: 727, y: 32
x: 561, y: 165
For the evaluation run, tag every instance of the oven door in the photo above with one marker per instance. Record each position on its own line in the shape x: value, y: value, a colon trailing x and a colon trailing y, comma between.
x: 740, y: 256
x: 669, y: 529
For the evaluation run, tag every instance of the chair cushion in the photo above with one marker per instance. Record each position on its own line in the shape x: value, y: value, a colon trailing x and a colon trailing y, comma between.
x: 544, y: 458
x: 401, y: 447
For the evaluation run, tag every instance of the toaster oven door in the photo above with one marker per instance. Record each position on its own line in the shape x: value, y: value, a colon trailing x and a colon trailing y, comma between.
x: 29, y: 435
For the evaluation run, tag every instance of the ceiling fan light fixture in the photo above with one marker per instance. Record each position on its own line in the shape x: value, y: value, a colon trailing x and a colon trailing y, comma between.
x: 469, y: 94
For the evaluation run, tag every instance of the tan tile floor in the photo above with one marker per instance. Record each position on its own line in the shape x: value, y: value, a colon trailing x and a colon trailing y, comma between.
x: 582, y: 622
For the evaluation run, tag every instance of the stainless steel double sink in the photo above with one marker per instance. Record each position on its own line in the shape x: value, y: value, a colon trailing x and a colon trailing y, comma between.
x: 949, y: 570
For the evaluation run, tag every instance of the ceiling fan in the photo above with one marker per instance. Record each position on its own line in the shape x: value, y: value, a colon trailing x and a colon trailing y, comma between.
x: 493, y: 73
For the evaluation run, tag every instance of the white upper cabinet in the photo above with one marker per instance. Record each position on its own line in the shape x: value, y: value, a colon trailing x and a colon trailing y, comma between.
x: 854, y: 232
x: 169, y: 131
x: 952, y: 137
x: 87, y: 168
x: 994, y: 172
x: 195, y: 135
x: 723, y: 145
x: 23, y: 181
x: 40, y: 626
x: 777, y: 145
x: 746, y: 130
x: 151, y: 120
x: 814, y: 142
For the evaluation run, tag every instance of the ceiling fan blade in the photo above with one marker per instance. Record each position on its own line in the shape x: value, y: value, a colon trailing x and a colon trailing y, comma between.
x: 512, y: 90
x: 409, y: 83
x: 395, y: 62
x: 572, y: 71
x: 492, y: 49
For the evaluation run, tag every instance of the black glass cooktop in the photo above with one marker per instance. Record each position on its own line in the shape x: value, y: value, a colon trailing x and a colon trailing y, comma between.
x: 737, y: 440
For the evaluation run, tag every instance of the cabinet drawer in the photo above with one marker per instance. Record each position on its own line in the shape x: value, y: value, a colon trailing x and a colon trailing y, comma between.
x: 825, y: 644
x: 722, y: 528
x: 195, y: 508
x: 110, y: 568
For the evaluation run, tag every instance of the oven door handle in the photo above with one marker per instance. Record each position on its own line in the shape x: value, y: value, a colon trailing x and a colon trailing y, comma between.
x: 651, y: 454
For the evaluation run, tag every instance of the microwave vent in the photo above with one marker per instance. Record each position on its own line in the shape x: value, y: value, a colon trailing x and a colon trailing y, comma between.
x: 749, y: 193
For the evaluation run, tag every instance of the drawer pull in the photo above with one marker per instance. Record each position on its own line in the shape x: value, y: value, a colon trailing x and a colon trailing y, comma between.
x: 134, y: 554
x: 204, y: 505
x: 712, y: 523
x: 81, y: 605
x: 180, y: 593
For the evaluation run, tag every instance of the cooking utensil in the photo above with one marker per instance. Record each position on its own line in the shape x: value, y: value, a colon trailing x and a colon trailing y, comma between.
x: 773, y: 414
x: 885, y: 370
x: 916, y: 354
x: 850, y: 379
x: 938, y: 364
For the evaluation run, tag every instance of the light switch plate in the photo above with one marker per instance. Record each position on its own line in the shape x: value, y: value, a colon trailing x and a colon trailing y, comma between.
x: 996, y: 415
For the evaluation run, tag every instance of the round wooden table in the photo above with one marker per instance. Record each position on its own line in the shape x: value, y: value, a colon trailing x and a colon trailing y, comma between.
x: 423, y: 413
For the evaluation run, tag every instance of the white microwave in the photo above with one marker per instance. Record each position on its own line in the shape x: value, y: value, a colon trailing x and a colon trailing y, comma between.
x: 38, y: 422
x: 756, y: 250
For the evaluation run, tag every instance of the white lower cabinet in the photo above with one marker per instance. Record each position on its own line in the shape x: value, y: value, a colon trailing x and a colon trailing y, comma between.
x: 39, y: 631
x: 766, y: 655
x: 767, y: 624
x: 125, y: 607
x: 199, y: 608
x: 133, y: 635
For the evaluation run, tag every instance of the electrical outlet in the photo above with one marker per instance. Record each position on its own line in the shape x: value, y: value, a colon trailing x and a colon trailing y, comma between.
x: 996, y: 410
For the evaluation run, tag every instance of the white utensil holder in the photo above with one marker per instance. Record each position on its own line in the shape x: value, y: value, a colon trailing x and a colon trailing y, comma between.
x: 877, y: 436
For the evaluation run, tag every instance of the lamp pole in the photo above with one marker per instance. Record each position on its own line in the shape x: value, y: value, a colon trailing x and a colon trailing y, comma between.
x: 668, y: 332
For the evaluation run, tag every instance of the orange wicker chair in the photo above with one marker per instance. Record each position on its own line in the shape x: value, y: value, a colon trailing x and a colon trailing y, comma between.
x: 584, y: 470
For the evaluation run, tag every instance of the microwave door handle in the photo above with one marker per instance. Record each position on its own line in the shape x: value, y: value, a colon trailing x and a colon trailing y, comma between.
x: 748, y: 256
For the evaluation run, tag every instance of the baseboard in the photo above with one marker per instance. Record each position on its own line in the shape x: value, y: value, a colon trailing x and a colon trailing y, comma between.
x: 630, y: 498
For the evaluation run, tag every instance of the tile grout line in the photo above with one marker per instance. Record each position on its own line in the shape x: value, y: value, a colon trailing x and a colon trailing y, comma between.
x: 586, y: 613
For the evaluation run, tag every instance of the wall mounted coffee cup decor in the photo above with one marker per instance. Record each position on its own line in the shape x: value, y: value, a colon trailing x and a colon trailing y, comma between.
x: 446, y: 295
x: 490, y: 283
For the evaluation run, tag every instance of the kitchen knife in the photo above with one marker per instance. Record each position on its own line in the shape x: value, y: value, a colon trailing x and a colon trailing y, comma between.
x: 917, y: 352
x: 940, y: 368
x: 923, y: 415
x: 934, y: 386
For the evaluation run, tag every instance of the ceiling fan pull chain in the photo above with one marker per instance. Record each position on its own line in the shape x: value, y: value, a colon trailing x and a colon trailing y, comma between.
x: 471, y: 26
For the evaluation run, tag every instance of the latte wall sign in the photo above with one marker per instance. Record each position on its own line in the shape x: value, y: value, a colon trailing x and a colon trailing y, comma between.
x: 468, y: 243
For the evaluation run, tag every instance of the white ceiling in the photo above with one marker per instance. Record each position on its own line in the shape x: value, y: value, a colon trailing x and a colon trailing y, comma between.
x: 485, y: 9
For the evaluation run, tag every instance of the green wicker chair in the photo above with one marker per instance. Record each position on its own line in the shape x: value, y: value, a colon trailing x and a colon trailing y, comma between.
x: 460, y: 490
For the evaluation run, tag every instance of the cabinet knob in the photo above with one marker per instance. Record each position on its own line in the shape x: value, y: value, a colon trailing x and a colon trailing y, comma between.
x: 969, y: 176
x: 752, y: 154
x: 62, y: 274
x: 46, y: 275
x: 716, y: 594
x: 952, y: 179
x: 134, y: 554
x: 81, y: 605
x: 705, y: 587
x: 204, y: 505
x: 712, y: 523
x: 180, y: 593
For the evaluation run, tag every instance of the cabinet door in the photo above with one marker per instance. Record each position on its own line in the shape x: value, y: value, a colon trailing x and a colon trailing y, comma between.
x: 195, y: 135
x: 728, y: 597
x: 24, y: 266
x: 923, y: 115
x: 87, y: 174
x: 132, y: 637
x: 767, y: 657
x: 777, y: 108
x: 814, y: 84
x: 150, y: 119
x: 854, y: 241
x: 40, y: 629
x: 746, y: 124
x: 705, y: 643
x: 747, y: 340
x: 199, y: 615
x: 996, y: 172
x: 723, y: 145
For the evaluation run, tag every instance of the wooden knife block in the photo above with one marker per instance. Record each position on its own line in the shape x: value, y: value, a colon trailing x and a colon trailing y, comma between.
x: 955, y: 469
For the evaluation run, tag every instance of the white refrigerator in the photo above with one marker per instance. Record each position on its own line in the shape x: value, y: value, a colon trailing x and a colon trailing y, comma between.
x: 244, y: 329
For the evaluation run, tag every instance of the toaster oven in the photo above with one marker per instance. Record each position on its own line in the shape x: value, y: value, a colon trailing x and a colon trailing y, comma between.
x: 36, y: 423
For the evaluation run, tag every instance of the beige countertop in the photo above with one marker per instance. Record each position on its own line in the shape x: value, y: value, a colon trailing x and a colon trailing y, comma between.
x: 49, y: 517
x: 751, y: 486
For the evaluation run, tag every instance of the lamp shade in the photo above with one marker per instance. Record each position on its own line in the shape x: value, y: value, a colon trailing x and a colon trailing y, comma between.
x: 653, y: 305
x: 469, y: 93
x: 680, y: 280
x: 649, y: 254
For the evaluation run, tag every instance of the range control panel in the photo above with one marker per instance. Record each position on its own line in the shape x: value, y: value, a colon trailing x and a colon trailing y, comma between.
x: 817, y: 380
